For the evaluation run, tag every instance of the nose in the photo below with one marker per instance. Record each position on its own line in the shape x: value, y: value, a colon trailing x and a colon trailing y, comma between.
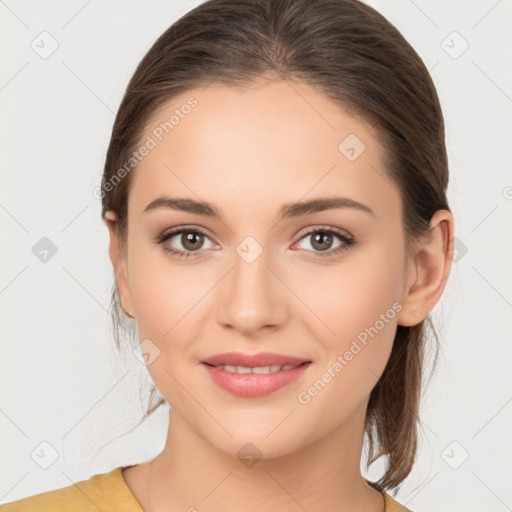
x: 253, y: 297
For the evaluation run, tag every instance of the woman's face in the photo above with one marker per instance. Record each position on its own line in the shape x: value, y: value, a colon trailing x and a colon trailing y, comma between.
x: 252, y: 280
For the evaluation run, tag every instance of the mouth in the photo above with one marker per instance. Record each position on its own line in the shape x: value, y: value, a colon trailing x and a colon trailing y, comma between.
x: 260, y: 370
x: 254, y: 375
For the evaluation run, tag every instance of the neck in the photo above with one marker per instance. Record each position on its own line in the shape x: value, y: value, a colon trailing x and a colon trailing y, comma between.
x: 190, y: 474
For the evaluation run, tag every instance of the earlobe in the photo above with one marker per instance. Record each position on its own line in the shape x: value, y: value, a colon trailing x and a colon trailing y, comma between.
x: 432, y: 265
x: 119, y: 264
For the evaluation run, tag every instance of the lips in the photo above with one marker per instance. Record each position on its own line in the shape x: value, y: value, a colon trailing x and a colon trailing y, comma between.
x: 254, y: 375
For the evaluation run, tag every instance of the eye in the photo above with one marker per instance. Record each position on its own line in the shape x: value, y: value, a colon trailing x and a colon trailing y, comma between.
x: 323, y: 240
x: 191, y: 239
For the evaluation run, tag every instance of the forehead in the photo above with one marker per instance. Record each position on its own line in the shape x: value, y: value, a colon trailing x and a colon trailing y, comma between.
x: 260, y: 146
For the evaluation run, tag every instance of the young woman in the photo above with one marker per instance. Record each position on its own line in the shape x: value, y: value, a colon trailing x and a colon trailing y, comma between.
x: 275, y: 195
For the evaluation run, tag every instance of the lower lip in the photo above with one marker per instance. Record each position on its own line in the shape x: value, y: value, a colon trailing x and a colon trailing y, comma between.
x: 254, y: 384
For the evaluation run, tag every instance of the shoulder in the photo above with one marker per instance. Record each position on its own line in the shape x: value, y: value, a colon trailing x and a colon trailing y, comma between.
x: 392, y: 505
x: 105, y: 491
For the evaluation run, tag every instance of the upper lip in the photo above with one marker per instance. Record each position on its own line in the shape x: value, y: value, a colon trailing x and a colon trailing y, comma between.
x: 251, y: 360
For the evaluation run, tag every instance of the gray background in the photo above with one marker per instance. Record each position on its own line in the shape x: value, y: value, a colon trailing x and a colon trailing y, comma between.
x: 65, y: 390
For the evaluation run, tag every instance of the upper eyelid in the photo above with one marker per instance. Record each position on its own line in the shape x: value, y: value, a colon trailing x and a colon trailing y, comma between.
x: 319, y: 227
x: 332, y: 229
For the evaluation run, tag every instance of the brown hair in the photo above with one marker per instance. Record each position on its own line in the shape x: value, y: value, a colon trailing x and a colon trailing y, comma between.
x: 352, y: 54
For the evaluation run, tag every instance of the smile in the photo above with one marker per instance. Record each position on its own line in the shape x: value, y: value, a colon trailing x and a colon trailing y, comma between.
x: 255, y: 369
x: 254, y: 381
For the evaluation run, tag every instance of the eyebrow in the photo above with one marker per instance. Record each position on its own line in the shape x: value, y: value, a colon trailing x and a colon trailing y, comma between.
x: 286, y: 211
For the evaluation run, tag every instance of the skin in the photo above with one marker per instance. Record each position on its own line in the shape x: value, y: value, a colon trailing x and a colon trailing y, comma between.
x: 248, y: 151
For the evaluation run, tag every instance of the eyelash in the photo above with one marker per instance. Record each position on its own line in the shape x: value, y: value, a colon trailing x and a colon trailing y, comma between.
x: 347, y: 241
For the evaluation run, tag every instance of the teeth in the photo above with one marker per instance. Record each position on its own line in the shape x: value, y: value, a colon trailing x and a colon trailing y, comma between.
x: 266, y: 369
x: 255, y: 369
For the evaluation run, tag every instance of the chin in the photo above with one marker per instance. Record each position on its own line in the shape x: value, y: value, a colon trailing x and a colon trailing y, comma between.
x: 250, y: 447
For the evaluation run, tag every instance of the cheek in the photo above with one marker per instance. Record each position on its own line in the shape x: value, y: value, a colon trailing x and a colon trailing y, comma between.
x: 348, y: 297
x: 361, y: 311
x: 356, y: 309
x: 168, y: 298
x: 165, y: 298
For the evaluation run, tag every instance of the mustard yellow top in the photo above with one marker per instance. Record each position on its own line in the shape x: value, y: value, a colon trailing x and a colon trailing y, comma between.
x: 105, y: 492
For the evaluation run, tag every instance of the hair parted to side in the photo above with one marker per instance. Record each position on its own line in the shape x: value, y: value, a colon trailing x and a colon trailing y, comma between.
x: 352, y: 54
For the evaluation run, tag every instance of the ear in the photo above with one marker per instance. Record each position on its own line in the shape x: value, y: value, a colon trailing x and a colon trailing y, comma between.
x: 429, y: 270
x: 119, y: 264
